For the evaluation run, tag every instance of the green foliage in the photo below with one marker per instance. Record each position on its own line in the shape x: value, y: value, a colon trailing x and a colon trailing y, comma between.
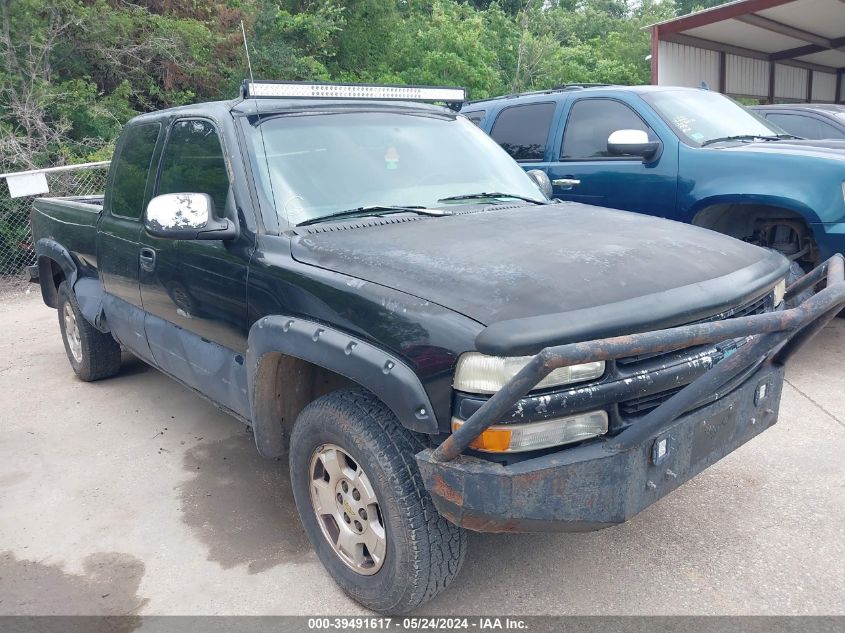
x: 450, y: 47
x: 682, y: 7
x: 295, y: 40
x: 76, y: 70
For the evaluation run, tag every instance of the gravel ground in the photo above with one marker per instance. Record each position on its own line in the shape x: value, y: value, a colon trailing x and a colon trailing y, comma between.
x: 134, y: 496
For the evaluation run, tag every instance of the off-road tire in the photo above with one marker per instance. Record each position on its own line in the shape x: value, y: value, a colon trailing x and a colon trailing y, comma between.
x: 99, y: 353
x: 424, y: 551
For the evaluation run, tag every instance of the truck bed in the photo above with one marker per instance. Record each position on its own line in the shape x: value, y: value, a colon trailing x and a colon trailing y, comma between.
x: 70, y: 222
x: 86, y: 203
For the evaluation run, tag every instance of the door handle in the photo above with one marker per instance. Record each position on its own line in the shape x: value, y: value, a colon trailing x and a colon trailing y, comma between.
x: 148, y: 259
x: 566, y: 182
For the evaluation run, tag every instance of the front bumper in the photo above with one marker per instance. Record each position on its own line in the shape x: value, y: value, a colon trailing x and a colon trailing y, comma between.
x: 606, y: 482
x: 590, y: 487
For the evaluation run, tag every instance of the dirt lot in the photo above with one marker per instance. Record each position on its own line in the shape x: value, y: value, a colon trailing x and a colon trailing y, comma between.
x: 134, y: 496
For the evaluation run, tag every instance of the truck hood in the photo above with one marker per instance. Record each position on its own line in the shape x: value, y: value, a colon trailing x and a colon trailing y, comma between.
x: 833, y: 150
x: 548, y: 274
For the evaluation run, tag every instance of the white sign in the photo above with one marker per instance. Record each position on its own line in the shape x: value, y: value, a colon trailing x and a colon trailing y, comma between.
x: 31, y: 184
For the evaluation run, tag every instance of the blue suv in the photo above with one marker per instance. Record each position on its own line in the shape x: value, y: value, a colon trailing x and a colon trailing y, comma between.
x: 681, y: 153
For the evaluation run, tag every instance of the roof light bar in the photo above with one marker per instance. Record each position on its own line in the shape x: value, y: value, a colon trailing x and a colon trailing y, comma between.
x: 351, y: 91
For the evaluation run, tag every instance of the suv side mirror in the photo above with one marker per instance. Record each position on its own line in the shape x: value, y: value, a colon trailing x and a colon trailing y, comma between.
x: 186, y: 216
x: 632, y: 143
x: 541, y: 179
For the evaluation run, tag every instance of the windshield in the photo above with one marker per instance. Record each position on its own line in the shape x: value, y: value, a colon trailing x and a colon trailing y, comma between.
x: 320, y: 164
x: 701, y: 116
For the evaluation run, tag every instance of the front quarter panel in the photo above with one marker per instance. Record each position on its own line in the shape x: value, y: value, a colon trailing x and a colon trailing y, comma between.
x: 378, y: 371
x: 424, y: 336
x: 804, y: 184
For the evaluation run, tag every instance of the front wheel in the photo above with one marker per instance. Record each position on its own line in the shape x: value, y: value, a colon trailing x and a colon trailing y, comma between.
x: 364, y: 506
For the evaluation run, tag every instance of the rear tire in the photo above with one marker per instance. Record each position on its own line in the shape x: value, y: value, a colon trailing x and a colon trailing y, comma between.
x: 93, y: 355
x: 423, y: 552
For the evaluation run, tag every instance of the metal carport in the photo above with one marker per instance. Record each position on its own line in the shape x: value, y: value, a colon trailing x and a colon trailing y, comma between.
x: 774, y: 51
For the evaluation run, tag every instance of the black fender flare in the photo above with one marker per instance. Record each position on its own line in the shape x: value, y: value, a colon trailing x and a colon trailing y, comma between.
x: 381, y: 372
x: 88, y: 290
x: 48, y: 250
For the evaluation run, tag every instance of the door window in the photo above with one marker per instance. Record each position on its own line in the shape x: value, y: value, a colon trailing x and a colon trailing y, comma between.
x: 131, y: 167
x: 805, y: 126
x: 193, y: 162
x: 590, y: 122
x: 522, y: 130
x: 828, y: 131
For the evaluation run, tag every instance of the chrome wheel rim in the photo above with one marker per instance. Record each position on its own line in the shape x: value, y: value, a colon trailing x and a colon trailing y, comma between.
x: 74, y: 342
x: 347, y: 509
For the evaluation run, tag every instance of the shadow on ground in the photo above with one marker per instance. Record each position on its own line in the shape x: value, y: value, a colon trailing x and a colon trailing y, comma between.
x: 130, y: 365
x: 108, y: 586
x: 241, y: 507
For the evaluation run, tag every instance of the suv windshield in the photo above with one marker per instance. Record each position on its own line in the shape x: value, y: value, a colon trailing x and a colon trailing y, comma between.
x: 315, y: 165
x: 700, y: 117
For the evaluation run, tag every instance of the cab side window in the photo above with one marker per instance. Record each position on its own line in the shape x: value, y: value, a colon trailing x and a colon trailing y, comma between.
x: 522, y: 130
x: 804, y: 126
x: 131, y: 168
x: 827, y: 131
x: 193, y: 162
x: 590, y: 122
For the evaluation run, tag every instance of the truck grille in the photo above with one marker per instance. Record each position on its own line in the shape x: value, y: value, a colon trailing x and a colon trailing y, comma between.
x: 640, y: 406
x: 637, y: 407
x: 758, y: 306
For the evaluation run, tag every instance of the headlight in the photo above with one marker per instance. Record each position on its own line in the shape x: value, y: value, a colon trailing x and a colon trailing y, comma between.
x: 477, y: 373
x: 779, y: 292
x: 514, y: 438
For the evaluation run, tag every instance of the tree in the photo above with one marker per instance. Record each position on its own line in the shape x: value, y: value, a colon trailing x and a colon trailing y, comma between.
x: 74, y: 71
x: 683, y: 7
x: 295, y: 39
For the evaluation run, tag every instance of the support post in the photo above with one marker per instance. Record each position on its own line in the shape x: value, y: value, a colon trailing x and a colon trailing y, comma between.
x: 771, y: 98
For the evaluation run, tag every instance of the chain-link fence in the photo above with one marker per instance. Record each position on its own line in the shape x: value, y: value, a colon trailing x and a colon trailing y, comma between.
x: 16, y: 247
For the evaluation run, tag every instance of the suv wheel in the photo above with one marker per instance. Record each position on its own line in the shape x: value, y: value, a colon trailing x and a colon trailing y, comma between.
x: 364, y: 507
x: 93, y: 355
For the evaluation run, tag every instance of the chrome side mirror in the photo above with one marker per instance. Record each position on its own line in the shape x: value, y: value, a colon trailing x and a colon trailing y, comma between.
x: 186, y: 216
x: 632, y: 143
x: 541, y: 179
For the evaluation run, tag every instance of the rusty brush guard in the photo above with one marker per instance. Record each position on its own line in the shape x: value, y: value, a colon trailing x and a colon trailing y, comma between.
x: 774, y: 336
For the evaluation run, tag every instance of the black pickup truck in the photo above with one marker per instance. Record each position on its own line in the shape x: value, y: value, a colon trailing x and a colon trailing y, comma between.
x: 376, y: 288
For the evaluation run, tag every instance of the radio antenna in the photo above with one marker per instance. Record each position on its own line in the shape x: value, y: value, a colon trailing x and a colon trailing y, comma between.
x: 260, y: 129
x: 246, y: 48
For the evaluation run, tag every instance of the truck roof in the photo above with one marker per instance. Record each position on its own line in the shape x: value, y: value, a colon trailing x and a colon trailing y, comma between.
x: 287, y: 96
x: 250, y: 107
x: 213, y: 108
x: 827, y: 107
x: 543, y: 95
x: 271, y: 105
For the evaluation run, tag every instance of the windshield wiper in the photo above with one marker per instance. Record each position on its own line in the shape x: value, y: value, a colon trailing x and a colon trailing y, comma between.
x: 376, y: 210
x: 491, y: 194
x: 743, y: 137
